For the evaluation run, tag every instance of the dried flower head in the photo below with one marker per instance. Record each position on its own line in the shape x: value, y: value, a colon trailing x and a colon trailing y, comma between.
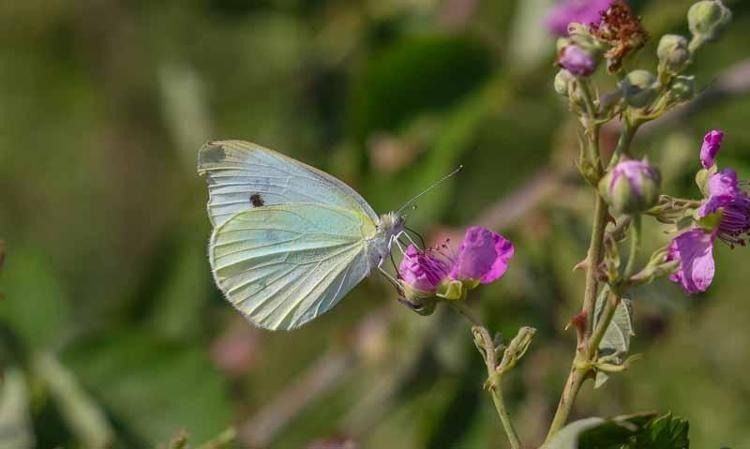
x: 622, y: 31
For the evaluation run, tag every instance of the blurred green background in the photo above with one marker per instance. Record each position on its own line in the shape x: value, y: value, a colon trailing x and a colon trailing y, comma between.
x: 112, y: 333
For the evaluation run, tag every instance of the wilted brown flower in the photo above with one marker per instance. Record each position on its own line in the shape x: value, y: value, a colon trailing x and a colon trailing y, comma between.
x: 621, y: 30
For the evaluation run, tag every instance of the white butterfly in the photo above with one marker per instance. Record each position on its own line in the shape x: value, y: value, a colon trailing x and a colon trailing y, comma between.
x: 289, y: 240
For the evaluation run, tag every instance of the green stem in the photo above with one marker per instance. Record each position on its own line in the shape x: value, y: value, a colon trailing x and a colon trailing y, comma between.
x: 592, y: 126
x: 593, y: 258
x: 635, y: 246
x: 502, y: 412
x: 575, y: 379
x: 623, y: 143
x: 494, y: 378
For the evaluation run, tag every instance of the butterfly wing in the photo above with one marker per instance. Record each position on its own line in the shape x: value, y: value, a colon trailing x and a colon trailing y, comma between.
x: 283, y: 265
x: 242, y: 175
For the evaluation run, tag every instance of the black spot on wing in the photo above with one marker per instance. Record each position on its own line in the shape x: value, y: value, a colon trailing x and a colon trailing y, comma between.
x: 256, y: 200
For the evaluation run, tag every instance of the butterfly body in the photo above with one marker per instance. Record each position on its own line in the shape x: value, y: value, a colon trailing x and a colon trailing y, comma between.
x: 289, y: 240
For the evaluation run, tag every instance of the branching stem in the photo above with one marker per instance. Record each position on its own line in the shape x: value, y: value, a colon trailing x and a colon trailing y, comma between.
x: 486, y: 347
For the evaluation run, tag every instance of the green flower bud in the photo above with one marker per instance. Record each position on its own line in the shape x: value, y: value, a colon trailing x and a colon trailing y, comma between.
x: 562, y: 82
x: 639, y: 88
x: 631, y: 187
x: 682, y: 88
x: 673, y: 52
x: 708, y: 18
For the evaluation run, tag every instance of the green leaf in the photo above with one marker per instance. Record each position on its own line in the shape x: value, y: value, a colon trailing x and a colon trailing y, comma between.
x: 600, y: 379
x: 665, y: 432
x: 599, y: 433
x: 616, y: 339
x: 640, y: 431
x: 15, y: 419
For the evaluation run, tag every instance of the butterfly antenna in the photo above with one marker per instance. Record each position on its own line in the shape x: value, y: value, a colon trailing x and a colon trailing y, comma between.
x: 428, y: 189
x: 419, y: 236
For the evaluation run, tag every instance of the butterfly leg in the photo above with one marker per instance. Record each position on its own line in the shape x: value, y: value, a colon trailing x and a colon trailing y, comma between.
x: 390, y: 278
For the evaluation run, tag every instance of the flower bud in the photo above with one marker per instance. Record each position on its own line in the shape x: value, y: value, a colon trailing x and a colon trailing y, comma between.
x: 631, y: 187
x: 673, y: 52
x: 639, y: 88
x: 708, y: 18
x: 682, y: 88
x: 562, y: 82
x: 577, y: 61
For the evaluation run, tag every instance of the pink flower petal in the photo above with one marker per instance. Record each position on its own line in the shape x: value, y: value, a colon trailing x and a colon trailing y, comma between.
x: 483, y: 256
x: 710, y: 148
x: 694, y: 250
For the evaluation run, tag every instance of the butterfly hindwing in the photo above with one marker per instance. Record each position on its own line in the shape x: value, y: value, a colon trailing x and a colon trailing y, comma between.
x: 242, y: 175
x: 283, y: 265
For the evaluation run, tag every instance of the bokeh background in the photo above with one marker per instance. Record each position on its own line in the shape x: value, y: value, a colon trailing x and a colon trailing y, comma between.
x: 112, y: 333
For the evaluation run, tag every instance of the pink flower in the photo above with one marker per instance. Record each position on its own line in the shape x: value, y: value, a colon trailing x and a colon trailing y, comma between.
x: 710, y: 148
x: 424, y: 270
x: 694, y: 251
x: 585, y: 12
x: 724, y: 214
x: 482, y: 257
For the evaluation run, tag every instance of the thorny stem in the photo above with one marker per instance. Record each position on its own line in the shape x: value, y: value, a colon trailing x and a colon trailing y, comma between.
x: 586, y: 353
x: 486, y: 347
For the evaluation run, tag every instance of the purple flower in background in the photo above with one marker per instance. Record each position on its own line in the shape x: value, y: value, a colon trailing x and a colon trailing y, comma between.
x: 576, y: 60
x: 483, y: 256
x: 580, y: 11
x: 424, y: 270
x: 694, y: 251
x: 730, y: 224
x: 710, y: 148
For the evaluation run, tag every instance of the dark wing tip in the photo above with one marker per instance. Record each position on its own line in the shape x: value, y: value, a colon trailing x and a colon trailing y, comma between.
x: 210, y: 154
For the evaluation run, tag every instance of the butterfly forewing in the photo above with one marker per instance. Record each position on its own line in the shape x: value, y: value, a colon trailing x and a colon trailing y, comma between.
x: 242, y: 175
x: 283, y: 265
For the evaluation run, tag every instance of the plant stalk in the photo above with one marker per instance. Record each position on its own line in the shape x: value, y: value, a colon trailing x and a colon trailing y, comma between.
x: 486, y: 347
x: 586, y: 354
x: 497, y: 398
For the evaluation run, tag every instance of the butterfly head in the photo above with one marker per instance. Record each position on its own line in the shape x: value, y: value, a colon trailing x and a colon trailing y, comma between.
x: 391, y: 224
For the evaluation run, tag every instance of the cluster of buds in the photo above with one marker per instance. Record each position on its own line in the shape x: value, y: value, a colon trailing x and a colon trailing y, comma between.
x: 616, y: 33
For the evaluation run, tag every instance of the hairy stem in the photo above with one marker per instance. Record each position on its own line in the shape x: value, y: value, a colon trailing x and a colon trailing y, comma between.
x: 586, y: 353
x: 486, y: 348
